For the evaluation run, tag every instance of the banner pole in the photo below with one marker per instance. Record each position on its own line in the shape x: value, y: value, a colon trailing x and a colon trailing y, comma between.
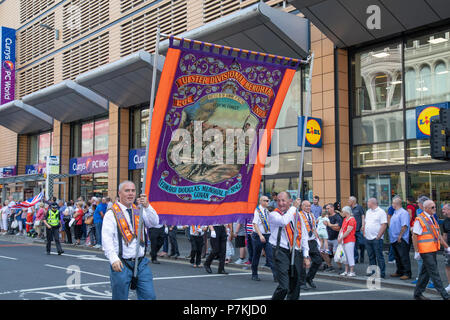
x: 149, y: 128
x: 302, y: 159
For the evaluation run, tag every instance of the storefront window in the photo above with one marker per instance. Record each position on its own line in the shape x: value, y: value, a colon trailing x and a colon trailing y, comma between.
x: 101, y: 136
x: 433, y: 184
x: 139, y: 129
x: 418, y: 151
x: 382, y: 154
x: 291, y: 105
x: 382, y: 186
x: 87, y: 143
x: 426, y: 64
x: 378, y: 128
x: 44, y: 146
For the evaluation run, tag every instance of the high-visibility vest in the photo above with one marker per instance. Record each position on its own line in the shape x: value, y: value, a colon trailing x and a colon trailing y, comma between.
x: 428, y: 241
x: 53, y: 218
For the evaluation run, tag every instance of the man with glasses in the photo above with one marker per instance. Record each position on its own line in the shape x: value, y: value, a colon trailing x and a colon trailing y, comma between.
x: 427, y: 240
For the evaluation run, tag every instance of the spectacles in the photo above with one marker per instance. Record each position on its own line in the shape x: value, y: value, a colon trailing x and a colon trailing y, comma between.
x: 266, y: 200
x: 433, y: 207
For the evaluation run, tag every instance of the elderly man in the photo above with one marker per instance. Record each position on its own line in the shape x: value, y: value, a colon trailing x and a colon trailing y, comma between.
x: 260, y: 236
x: 399, y: 238
x: 375, y: 223
x: 446, y: 235
x: 281, y: 222
x: 426, y: 240
x: 358, y: 214
x: 120, y: 238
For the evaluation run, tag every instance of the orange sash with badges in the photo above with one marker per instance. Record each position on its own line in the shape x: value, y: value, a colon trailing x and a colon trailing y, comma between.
x: 290, y: 230
x: 124, y: 228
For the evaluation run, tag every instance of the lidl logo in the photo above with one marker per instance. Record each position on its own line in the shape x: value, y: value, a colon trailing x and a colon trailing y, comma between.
x: 424, y: 115
x: 313, y: 136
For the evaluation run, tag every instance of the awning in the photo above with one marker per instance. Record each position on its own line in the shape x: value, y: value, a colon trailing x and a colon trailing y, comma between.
x: 258, y: 28
x: 67, y: 101
x: 23, y: 119
x: 22, y: 178
x: 345, y: 21
x: 125, y: 82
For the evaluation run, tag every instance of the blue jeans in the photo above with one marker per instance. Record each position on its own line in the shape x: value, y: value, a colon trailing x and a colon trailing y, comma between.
x: 375, y: 252
x: 120, y: 282
x: 257, y: 249
x: 98, y: 232
x: 360, y: 243
x: 391, y: 253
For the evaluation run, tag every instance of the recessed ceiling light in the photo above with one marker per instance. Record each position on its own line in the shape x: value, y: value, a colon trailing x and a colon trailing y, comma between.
x: 437, y: 40
x: 381, y: 54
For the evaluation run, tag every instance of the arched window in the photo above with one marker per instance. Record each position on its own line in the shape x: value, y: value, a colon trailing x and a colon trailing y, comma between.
x: 396, y: 87
x: 410, y: 85
x: 425, y: 81
x: 381, y: 80
x: 441, y: 77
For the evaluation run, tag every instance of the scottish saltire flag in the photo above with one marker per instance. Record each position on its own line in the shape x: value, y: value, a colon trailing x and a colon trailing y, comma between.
x: 214, y: 110
x: 29, y: 202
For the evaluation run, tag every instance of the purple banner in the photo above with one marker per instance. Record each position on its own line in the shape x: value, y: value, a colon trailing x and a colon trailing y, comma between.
x: 8, y: 171
x: 8, y: 62
x: 91, y: 164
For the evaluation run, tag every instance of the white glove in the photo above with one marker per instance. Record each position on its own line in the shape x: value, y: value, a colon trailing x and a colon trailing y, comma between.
x: 417, y: 256
x: 166, y: 230
x: 447, y: 250
x: 213, y: 234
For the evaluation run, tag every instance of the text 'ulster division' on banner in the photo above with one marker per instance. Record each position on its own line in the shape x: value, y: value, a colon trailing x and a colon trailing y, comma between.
x: 214, y: 111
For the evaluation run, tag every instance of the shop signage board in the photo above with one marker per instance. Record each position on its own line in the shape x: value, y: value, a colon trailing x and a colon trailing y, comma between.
x: 424, y: 115
x: 91, y: 164
x: 8, y: 64
x: 39, y: 168
x: 136, y: 158
x: 314, y: 134
x: 8, y: 171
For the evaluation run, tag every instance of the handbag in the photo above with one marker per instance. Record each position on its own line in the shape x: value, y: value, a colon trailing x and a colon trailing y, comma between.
x: 339, y: 256
x: 71, y: 222
x: 14, y: 224
x: 37, y: 223
x: 89, y: 220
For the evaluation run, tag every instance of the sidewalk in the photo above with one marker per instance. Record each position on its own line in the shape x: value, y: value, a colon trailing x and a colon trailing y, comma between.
x: 184, y: 248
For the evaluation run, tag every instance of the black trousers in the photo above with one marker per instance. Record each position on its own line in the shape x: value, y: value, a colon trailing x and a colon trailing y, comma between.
x: 196, y: 249
x: 288, y: 286
x: 401, y: 253
x: 53, y: 233
x: 156, y: 241
x: 173, y: 242
x: 219, y: 248
x: 429, y: 270
x: 316, y: 261
x: 68, y: 232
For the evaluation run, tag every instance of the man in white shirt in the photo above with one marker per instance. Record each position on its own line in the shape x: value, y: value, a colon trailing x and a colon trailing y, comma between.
x: 119, y: 243
x: 375, y: 224
x: 281, y: 222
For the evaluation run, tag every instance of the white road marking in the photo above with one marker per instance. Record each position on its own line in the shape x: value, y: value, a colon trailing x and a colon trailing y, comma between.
x: 93, y: 274
x: 83, y: 256
x: 310, y: 294
x: 4, y: 257
x: 54, y: 287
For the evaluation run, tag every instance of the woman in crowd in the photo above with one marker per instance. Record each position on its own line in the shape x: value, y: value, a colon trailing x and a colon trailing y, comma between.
x: 5, y: 213
x: 347, y: 239
x: 78, y: 215
x: 39, y: 225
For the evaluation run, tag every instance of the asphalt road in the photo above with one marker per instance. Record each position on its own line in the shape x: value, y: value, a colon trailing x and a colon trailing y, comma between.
x: 27, y: 273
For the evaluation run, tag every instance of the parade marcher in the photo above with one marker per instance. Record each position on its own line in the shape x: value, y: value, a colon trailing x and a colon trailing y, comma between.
x: 52, y: 221
x: 260, y: 236
x: 172, y: 235
x: 281, y: 222
x: 157, y: 233
x: 313, y: 244
x: 219, y: 247
x: 427, y: 240
x: 196, y: 239
x: 119, y: 241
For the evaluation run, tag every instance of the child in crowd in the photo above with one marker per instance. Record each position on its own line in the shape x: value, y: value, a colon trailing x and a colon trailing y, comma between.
x: 322, y: 232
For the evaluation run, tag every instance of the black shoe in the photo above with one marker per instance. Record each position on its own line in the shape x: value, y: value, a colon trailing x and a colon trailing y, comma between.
x: 176, y: 256
x: 304, y: 287
x: 311, y: 284
x: 222, y: 272
x: 330, y: 269
x: 60, y: 253
x: 421, y: 297
x: 256, y: 278
x: 156, y: 261
x: 208, y: 269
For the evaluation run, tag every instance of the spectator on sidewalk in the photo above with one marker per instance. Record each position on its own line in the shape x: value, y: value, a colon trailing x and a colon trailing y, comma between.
x: 391, y: 256
x: 347, y: 239
x: 172, y: 235
x: 322, y: 232
x: 446, y: 235
x: 316, y: 209
x: 333, y: 228
x: 411, y: 207
x: 99, y: 213
x: 260, y: 236
x: 68, y: 215
x: 78, y: 215
x: 358, y: 214
x: 5, y: 211
x: 273, y: 202
x: 239, y: 241
x: 427, y: 240
x: 399, y: 238
x: 375, y: 225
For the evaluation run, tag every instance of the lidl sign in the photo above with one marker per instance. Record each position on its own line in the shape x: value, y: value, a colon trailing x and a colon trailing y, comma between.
x: 424, y: 115
x: 314, y: 134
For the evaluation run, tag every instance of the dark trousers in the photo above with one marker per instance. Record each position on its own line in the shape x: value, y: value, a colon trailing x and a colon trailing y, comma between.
x: 429, y: 270
x: 219, y: 247
x: 250, y: 247
x: 173, y: 242
x: 68, y: 232
x: 401, y: 253
x: 360, y: 243
x: 196, y: 249
x: 316, y: 261
x: 53, y: 233
x: 156, y: 241
x: 288, y: 286
x: 257, y: 249
x: 375, y: 252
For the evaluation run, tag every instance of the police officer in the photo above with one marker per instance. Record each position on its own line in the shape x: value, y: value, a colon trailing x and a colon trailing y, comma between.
x: 52, y: 221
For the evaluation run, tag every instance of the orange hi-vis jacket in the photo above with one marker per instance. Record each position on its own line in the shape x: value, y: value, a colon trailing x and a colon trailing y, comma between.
x: 428, y: 241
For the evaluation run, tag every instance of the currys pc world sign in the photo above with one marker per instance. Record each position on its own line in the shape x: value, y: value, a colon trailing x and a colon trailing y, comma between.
x: 7, y: 67
x: 91, y: 164
x: 136, y: 158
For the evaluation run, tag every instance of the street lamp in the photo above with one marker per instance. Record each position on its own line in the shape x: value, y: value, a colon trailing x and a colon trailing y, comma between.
x: 46, y: 26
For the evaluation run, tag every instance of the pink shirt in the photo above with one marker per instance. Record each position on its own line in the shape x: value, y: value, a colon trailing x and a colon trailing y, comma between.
x: 40, y: 214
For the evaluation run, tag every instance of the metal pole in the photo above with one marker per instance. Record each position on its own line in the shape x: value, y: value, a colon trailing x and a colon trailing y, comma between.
x: 149, y: 128
x: 300, y: 173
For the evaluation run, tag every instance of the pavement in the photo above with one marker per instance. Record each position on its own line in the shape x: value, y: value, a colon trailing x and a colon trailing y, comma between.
x: 360, y: 268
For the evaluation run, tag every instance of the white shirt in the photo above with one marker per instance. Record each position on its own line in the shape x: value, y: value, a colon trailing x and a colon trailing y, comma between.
x: 373, y: 221
x: 276, y: 220
x: 110, y: 242
x: 417, y: 228
x: 257, y: 219
x: 198, y: 230
x: 313, y: 236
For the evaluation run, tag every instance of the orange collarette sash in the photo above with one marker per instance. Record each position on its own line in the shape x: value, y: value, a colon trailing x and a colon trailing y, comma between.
x: 290, y: 230
x: 122, y: 223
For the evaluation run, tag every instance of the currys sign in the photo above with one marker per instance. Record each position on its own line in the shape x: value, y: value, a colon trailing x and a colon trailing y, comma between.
x: 136, y: 158
x: 39, y: 168
x: 7, y: 67
x: 91, y: 164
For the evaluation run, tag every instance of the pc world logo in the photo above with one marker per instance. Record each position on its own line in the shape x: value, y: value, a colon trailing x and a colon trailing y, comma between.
x: 9, y: 65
